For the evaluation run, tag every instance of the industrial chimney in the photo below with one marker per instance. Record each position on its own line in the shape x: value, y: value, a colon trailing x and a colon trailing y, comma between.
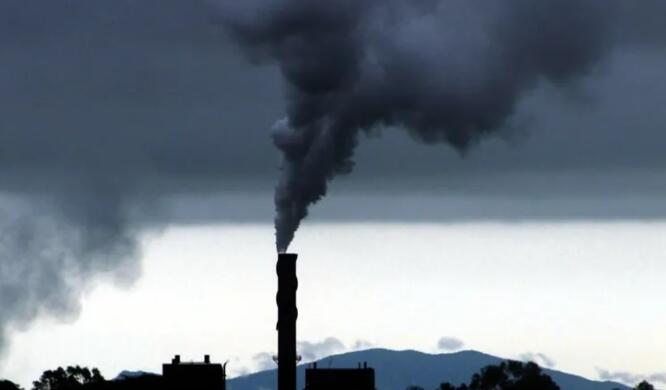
x: 286, y: 325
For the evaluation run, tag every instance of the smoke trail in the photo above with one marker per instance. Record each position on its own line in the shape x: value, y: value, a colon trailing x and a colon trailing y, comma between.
x: 446, y: 71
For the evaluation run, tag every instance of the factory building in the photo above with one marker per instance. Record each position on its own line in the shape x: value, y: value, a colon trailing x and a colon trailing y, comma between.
x: 179, y: 375
x: 361, y: 378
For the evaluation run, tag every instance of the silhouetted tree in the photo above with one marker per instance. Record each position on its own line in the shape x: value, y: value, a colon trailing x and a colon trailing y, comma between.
x: 74, y: 377
x: 645, y: 385
x: 9, y: 385
x: 509, y: 375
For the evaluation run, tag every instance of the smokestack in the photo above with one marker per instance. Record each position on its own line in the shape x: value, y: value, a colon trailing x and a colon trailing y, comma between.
x: 286, y: 325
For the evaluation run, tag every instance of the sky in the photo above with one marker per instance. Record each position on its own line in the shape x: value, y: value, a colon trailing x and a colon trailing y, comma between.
x: 135, y: 137
x: 581, y: 293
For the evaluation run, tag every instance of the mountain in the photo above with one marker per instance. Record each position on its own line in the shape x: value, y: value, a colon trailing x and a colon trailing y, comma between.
x: 395, y: 370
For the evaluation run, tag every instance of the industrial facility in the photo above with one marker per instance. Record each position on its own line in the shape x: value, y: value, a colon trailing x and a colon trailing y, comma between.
x: 361, y: 378
x: 205, y: 375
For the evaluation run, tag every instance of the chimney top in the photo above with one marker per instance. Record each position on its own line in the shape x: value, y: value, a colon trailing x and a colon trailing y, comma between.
x: 176, y: 359
x: 207, y: 359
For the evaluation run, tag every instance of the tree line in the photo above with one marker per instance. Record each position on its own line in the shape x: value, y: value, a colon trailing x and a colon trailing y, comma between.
x: 83, y: 378
x: 509, y: 375
x: 512, y: 375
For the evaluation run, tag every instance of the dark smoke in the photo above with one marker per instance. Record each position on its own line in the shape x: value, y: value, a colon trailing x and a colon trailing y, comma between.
x: 446, y: 71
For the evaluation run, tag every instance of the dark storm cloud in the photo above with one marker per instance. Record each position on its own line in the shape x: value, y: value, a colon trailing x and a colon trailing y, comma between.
x: 110, y: 109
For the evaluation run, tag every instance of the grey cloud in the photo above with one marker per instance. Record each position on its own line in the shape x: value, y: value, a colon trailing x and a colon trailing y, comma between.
x: 629, y: 377
x: 264, y: 361
x: 361, y: 344
x: 449, y: 344
x: 538, y: 358
x: 621, y: 376
x: 48, y: 257
x: 311, y: 351
x: 308, y: 350
x: 236, y: 368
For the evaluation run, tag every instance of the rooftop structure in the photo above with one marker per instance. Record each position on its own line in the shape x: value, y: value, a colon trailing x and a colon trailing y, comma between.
x: 179, y: 375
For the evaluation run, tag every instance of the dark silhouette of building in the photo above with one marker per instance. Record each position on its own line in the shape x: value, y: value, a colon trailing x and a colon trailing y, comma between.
x: 286, y: 324
x: 205, y: 375
x: 361, y: 378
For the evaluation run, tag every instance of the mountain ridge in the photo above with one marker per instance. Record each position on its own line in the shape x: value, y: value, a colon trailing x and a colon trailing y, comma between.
x: 397, y: 369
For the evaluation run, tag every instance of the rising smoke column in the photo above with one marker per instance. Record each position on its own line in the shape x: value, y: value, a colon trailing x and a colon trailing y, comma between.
x: 446, y: 71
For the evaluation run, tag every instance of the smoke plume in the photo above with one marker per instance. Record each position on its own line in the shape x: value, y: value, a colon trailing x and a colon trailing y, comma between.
x: 447, y: 72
